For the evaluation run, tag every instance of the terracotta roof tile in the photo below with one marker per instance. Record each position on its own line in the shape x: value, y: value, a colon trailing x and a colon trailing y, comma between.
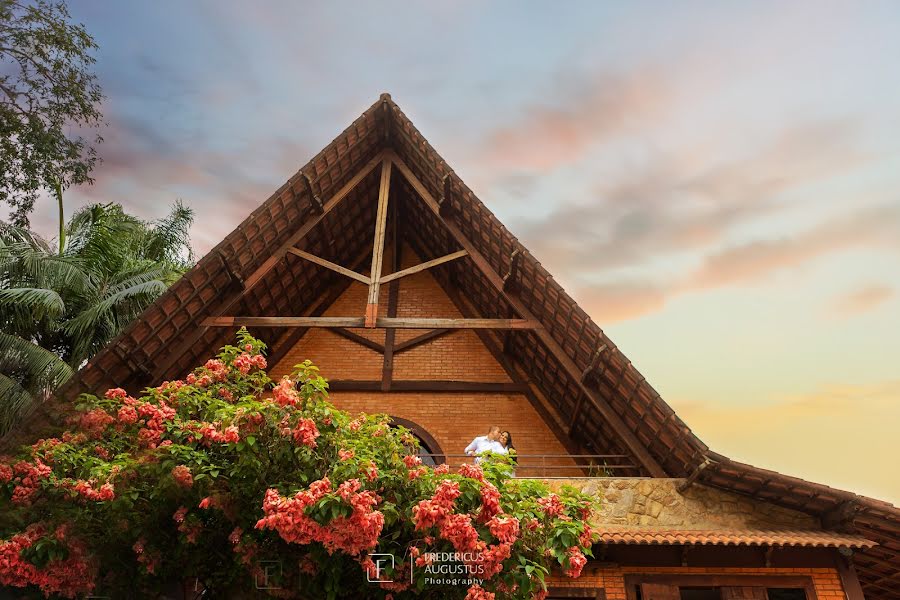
x: 733, y: 537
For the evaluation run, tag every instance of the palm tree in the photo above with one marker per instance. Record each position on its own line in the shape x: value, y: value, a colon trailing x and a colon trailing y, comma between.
x: 60, y: 305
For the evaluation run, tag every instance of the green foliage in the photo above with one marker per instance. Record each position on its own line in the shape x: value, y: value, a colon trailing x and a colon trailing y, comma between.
x: 47, y: 89
x: 205, y: 485
x: 59, y: 308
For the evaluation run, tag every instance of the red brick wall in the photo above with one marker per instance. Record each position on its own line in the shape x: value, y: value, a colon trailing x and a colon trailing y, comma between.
x: 826, y: 581
x: 453, y: 419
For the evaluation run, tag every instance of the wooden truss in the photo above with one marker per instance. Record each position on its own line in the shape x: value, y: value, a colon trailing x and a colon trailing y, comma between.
x: 505, y: 287
x: 374, y: 280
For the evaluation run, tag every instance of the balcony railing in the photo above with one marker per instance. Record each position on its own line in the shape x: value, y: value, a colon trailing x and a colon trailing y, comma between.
x: 530, y: 466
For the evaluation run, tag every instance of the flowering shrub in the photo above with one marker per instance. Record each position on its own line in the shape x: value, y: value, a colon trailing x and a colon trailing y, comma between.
x: 232, y: 482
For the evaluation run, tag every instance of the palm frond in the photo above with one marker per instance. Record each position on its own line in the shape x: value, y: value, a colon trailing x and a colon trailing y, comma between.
x: 38, y: 303
x: 15, y: 403
x: 39, y: 366
x: 169, y: 239
x: 109, y: 316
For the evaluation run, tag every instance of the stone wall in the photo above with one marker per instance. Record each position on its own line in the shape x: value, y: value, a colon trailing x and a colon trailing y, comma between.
x: 657, y: 502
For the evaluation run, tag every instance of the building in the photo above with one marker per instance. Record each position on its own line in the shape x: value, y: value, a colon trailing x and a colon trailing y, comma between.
x: 380, y: 265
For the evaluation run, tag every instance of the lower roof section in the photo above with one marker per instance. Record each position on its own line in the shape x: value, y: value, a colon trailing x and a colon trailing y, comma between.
x: 734, y: 537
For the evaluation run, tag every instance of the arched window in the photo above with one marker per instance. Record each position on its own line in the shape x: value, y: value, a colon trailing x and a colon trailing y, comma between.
x: 429, y: 450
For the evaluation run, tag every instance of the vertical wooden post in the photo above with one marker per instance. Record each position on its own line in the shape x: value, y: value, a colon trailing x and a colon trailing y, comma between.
x: 849, y: 580
x: 387, y: 367
x: 378, y: 244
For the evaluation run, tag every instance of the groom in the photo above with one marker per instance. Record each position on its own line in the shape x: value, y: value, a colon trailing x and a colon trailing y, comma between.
x: 485, y: 443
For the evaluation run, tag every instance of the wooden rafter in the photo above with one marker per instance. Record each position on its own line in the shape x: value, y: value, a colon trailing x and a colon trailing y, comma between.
x: 330, y: 265
x: 638, y: 450
x: 423, y: 266
x: 378, y: 244
x: 421, y: 339
x: 380, y: 322
x: 358, y: 339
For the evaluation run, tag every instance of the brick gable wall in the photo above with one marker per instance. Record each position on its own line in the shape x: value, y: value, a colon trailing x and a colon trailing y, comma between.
x: 453, y: 419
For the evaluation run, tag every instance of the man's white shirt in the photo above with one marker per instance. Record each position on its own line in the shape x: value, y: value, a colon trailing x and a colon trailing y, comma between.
x: 484, y: 444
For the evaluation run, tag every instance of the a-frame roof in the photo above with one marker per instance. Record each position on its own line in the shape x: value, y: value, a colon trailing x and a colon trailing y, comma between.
x: 588, y: 389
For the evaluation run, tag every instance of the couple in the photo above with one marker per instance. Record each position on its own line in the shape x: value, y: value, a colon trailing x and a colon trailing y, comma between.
x: 499, y: 442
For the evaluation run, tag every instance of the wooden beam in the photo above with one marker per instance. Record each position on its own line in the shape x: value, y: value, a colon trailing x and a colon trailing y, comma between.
x: 287, y: 341
x: 684, y: 485
x: 637, y: 449
x: 316, y: 201
x: 355, y: 337
x: 423, y: 266
x: 342, y: 193
x: 290, y: 338
x: 509, y: 280
x: 387, y: 365
x: 421, y: 339
x: 576, y: 412
x: 445, y: 206
x: 378, y: 244
x: 235, y: 278
x: 427, y: 323
x: 284, y: 322
x: 330, y: 265
x: 269, y: 264
x: 442, y: 386
x: 380, y: 322
x: 595, y: 363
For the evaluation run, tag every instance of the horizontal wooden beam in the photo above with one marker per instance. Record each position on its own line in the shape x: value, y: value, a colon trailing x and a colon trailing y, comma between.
x: 485, y: 387
x: 380, y: 323
x: 420, y: 339
x: 426, y: 323
x: 284, y: 322
x: 330, y: 265
x: 423, y: 266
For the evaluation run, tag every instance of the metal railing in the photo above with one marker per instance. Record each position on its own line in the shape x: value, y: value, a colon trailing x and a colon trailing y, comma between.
x: 529, y: 466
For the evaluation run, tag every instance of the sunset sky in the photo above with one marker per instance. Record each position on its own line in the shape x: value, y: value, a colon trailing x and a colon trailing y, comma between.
x: 718, y: 185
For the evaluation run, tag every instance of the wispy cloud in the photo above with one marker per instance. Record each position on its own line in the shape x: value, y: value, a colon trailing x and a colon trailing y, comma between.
x: 861, y: 300
x: 753, y: 262
x: 673, y: 204
x: 578, y: 114
x: 879, y: 226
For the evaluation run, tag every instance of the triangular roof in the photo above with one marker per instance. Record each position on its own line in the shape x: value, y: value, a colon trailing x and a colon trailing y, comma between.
x: 587, y: 387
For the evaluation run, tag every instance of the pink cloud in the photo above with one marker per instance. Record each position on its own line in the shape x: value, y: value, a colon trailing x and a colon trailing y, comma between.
x: 755, y: 260
x: 608, y: 303
x: 545, y: 136
x: 862, y: 300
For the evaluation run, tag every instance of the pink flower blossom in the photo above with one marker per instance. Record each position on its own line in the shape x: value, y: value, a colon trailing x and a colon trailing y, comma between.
x: 577, y: 560
x: 183, y: 476
x: 305, y: 432
x: 476, y: 592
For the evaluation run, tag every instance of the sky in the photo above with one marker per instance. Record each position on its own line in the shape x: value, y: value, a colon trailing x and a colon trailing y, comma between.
x: 716, y: 183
